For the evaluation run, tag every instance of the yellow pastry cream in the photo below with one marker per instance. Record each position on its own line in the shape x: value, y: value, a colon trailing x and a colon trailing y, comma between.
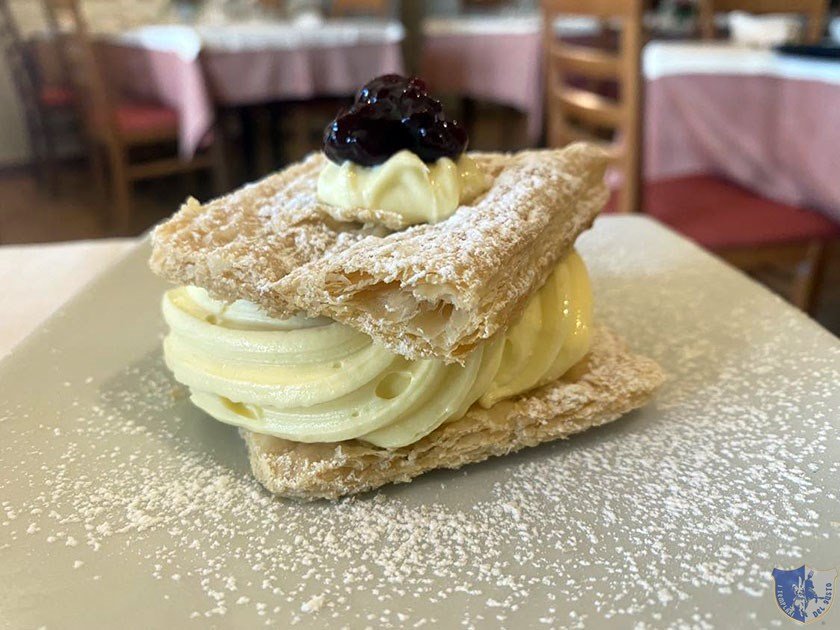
x: 405, y: 185
x: 316, y: 380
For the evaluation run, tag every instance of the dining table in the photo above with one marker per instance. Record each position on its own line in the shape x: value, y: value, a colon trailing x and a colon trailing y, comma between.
x: 765, y: 120
x: 497, y: 56
x: 197, y: 69
x: 491, y: 57
x: 761, y: 118
x: 58, y: 270
x: 674, y: 516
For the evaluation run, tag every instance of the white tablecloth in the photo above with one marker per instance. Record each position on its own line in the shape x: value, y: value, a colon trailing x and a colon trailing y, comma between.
x: 37, y: 279
x: 763, y: 120
x: 664, y: 59
x: 195, y: 70
x: 189, y: 41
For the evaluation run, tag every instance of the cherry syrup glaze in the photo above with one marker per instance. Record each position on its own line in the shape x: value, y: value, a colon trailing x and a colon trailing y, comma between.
x: 391, y: 113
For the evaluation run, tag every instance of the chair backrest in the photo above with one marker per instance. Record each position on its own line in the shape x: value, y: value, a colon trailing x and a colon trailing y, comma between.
x: 79, y: 58
x: 814, y: 12
x: 376, y: 8
x: 19, y: 62
x: 271, y: 5
x: 575, y: 110
x: 484, y: 3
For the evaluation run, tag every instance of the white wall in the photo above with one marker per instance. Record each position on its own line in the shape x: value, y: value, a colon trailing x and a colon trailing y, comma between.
x: 14, y: 146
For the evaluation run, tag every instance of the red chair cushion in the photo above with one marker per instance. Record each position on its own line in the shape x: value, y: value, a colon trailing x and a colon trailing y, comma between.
x: 56, y: 96
x: 721, y: 215
x: 139, y: 118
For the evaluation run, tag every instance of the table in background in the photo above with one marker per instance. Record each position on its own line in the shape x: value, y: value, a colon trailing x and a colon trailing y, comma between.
x: 496, y: 58
x: 195, y: 69
x: 766, y: 121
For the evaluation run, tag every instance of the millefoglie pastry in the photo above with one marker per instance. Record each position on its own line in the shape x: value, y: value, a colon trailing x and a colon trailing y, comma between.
x: 393, y: 304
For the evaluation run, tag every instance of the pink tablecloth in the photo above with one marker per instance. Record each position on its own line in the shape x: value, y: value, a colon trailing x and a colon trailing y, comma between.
x: 502, y: 68
x: 775, y: 135
x: 168, y: 78
x: 258, y: 76
x: 193, y: 87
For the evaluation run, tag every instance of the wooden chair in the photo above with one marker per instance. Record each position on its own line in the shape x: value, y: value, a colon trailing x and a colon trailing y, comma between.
x: 375, y: 8
x: 813, y: 10
x: 116, y: 127
x: 750, y: 231
x: 43, y: 105
x: 575, y: 110
x: 272, y: 5
x: 483, y: 4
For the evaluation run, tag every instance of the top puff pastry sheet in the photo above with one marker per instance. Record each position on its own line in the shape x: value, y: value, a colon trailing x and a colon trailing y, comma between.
x: 428, y: 291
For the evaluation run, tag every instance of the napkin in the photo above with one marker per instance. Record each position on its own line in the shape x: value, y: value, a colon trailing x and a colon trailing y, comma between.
x: 834, y: 30
x: 764, y: 31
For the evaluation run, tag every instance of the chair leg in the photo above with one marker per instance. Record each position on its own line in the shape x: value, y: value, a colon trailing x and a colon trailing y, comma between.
x: 809, y: 273
x: 96, y: 164
x: 120, y: 212
x: 191, y: 181
x: 50, y: 160
x: 217, y: 149
x: 469, y: 114
x: 37, y: 144
x: 262, y: 139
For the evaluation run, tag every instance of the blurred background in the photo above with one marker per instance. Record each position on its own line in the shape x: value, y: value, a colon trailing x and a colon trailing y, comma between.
x: 722, y: 116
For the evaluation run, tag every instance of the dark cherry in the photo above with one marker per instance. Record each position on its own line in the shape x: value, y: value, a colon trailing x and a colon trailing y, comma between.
x: 435, y: 137
x: 391, y: 87
x: 360, y: 134
x: 391, y: 113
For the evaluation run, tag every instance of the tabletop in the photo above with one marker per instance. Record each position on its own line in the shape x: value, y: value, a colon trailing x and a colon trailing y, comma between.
x: 673, y: 58
x: 674, y: 516
x: 530, y: 23
x: 37, y: 279
x: 484, y: 24
x: 188, y: 41
x: 752, y: 115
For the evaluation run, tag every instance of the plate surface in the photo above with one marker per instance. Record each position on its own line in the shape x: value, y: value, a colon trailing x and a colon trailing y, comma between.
x: 122, y: 506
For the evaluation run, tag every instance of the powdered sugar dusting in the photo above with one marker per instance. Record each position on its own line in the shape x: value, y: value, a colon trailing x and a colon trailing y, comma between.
x: 673, y: 516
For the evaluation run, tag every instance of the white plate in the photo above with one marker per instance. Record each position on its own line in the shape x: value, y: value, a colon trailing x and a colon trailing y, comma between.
x: 121, y: 506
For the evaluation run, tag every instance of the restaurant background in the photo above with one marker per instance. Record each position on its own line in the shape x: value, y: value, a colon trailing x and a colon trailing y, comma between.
x: 736, y: 145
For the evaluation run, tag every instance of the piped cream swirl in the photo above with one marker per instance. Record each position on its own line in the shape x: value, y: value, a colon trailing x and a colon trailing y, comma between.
x: 404, y: 185
x: 315, y: 380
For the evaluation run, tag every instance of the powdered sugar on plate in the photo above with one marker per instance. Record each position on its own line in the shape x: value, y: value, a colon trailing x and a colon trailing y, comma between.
x: 673, y: 516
